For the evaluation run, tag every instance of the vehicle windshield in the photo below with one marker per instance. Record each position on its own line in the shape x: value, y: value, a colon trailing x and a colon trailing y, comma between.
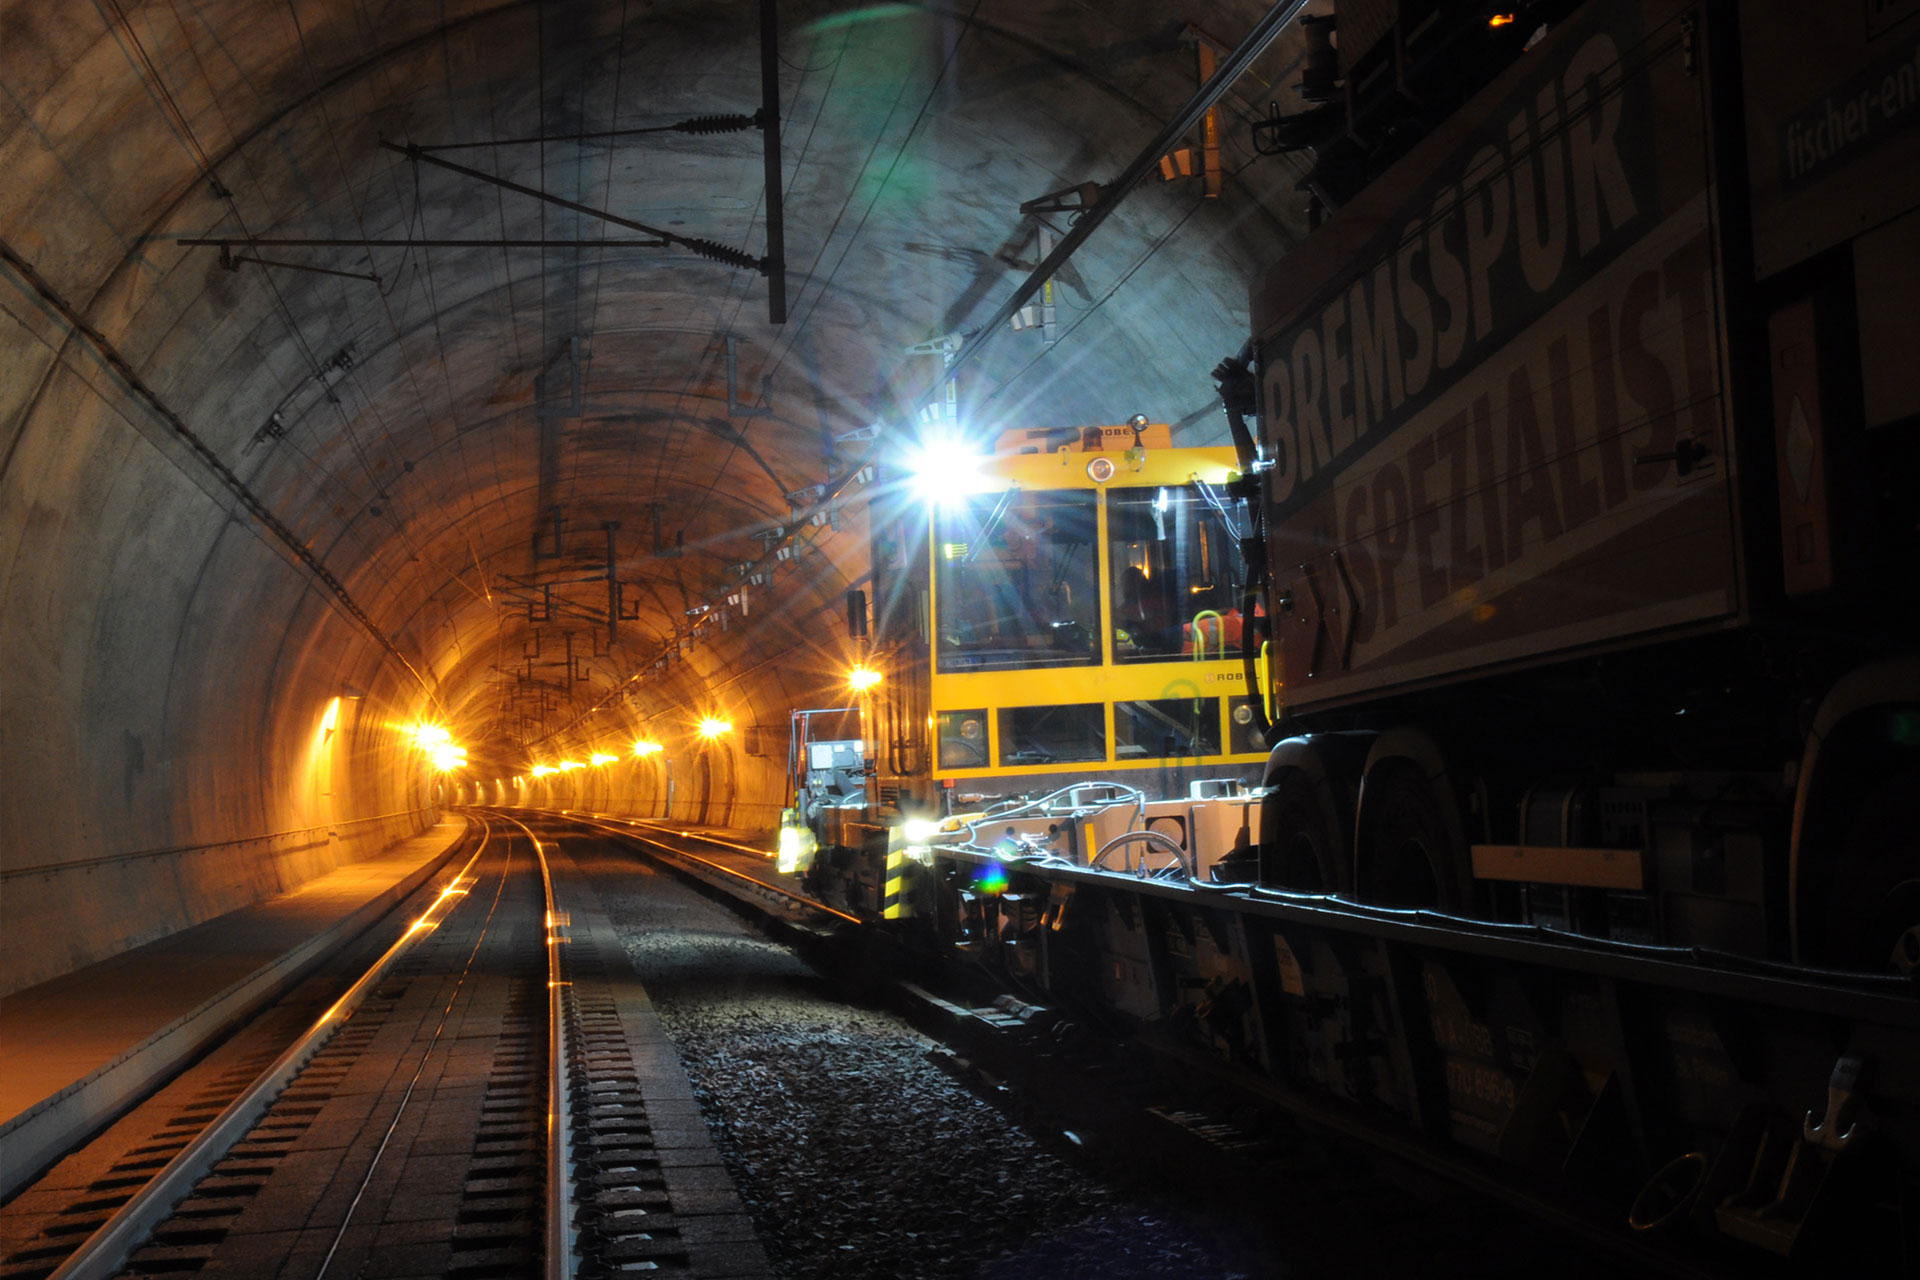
x: 1174, y: 562
x: 1016, y: 581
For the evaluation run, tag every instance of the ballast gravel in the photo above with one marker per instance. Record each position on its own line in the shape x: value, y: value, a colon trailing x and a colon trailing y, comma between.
x: 856, y: 1155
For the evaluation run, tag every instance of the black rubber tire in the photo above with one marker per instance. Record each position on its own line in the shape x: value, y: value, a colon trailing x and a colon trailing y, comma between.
x: 1299, y: 848
x: 1873, y: 898
x: 1408, y: 856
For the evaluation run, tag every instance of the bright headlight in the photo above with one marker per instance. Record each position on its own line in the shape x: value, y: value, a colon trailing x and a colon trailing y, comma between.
x: 942, y: 468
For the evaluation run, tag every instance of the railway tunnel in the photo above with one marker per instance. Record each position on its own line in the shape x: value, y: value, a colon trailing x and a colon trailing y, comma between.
x: 466, y: 467
x: 370, y: 453
x: 408, y: 406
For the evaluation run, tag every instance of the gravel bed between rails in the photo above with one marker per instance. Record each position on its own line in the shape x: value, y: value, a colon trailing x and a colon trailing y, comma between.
x: 856, y: 1155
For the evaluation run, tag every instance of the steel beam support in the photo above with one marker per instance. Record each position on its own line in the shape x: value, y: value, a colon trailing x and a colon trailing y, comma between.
x: 232, y: 263
x: 285, y: 242
x: 774, y: 265
x: 730, y: 123
x: 613, y: 583
x: 705, y: 248
x: 1209, y: 124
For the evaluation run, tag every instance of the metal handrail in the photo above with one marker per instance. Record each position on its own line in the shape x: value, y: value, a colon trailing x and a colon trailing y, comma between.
x: 1200, y: 635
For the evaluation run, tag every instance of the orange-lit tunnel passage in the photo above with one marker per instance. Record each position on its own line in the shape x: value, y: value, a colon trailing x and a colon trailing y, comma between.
x: 266, y: 508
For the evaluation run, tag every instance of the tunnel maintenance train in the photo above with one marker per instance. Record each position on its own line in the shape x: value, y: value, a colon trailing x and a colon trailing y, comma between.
x: 1509, y: 750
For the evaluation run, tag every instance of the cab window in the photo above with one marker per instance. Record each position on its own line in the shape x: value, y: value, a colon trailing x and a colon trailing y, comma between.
x: 1176, y: 575
x: 1016, y: 582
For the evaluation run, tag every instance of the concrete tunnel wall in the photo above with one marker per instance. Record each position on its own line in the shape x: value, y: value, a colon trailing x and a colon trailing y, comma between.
x: 168, y: 674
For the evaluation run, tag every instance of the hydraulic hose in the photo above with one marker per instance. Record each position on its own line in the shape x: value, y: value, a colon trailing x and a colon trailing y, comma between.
x: 1238, y: 392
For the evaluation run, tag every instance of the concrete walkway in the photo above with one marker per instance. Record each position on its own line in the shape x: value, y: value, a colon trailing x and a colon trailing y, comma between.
x: 78, y: 1049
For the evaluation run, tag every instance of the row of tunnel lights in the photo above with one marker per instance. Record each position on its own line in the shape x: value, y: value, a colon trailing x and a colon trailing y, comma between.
x: 447, y: 756
x: 710, y: 729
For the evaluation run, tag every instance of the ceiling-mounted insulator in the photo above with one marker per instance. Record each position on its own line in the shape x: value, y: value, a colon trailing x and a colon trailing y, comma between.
x: 731, y: 123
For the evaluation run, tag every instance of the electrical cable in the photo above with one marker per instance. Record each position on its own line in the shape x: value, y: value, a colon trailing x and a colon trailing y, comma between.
x: 234, y: 485
x: 175, y: 116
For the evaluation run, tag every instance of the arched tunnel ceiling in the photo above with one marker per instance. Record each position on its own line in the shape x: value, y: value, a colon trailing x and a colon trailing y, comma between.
x: 387, y: 415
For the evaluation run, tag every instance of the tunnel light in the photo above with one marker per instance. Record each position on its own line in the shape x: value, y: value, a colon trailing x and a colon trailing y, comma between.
x: 1500, y: 20
x: 600, y: 757
x: 542, y: 770
x: 943, y: 468
x: 712, y: 727
x: 862, y: 678
x: 331, y: 721
x: 643, y: 748
x: 429, y: 736
x: 568, y: 766
x: 442, y: 752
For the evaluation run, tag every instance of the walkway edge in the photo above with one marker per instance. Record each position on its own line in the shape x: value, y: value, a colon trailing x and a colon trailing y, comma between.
x: 36, y: 1138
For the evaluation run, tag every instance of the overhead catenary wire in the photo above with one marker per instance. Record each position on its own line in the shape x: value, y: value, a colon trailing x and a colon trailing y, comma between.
x: 399, y: 340
x: 737, y: 292
x: 738, y: 288
x: 823, y: 287
x: 1145, y: 161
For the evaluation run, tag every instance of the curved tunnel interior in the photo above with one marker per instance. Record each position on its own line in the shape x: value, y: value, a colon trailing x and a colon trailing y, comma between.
x: 268, y: 507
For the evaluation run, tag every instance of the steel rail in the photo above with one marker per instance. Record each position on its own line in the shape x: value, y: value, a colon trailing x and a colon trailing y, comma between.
x: 558, y: 1235
x: 652, y: 824
x: 811, y: 904
x: 105, y: 1253
x: 1883, y: 999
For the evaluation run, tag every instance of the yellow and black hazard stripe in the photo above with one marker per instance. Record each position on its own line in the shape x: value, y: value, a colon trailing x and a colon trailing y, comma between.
x: 894, y: 902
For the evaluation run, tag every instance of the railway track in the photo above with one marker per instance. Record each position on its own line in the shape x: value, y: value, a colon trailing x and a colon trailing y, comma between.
x: 474, y: 1105
x: 1336, y: 1199
x: 681, y: 849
